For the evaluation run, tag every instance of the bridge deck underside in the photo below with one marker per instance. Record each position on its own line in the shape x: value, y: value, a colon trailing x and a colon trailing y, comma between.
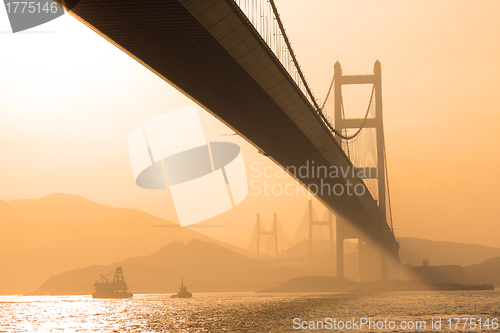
x: 233, y: 83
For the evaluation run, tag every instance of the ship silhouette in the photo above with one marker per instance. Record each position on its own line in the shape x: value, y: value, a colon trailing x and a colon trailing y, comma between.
x: 115, y: 289
x: 182, y: 293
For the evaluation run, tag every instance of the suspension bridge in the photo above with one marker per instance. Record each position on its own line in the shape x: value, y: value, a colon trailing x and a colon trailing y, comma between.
x: 233, y: 58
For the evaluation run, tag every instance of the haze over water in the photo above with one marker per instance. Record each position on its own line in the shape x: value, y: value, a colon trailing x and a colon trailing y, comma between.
x: 238, y: 312
x: 70, y: 208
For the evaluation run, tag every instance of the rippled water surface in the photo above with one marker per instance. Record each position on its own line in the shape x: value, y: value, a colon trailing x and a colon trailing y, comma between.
x: 236, y: 312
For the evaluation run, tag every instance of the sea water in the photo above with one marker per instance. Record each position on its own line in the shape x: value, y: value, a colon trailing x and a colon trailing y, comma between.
x: 250, y: 312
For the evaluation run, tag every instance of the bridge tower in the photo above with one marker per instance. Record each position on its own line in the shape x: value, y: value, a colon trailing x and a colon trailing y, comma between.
x: 341, y: 123
x: 313, y: 223
x: 273, y: 232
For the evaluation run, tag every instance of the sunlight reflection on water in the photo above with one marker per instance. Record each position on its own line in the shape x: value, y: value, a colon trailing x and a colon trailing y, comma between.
x: 233, y: 312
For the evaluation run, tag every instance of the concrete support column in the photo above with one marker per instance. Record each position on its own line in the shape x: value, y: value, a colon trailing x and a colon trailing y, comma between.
x: 330, y: 229
x: 310, y: 227
x: 275, y: 231
x: 340, y: 248
x: 384, y: 254
x: 257, y: 225
x: 361, y: 260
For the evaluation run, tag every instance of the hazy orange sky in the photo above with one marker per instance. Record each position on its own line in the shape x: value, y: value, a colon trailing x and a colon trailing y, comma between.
x: 69, y: 99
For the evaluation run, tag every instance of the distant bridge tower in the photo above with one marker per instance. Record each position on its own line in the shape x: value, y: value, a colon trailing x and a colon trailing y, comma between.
x: 376, y: 122
x: 259, y: 230
x: 313, y: 223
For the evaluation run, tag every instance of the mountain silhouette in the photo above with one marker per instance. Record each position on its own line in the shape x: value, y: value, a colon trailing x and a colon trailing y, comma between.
x: 485, y: 272
x: 414, y: 250
x: 206, y: 267
x: 43, y: 237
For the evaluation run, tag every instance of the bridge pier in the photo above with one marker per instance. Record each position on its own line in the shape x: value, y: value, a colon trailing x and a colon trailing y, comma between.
x: 345, y: 230
x: 384, y: 253
x: 340, y: 252
x: 361, y: 260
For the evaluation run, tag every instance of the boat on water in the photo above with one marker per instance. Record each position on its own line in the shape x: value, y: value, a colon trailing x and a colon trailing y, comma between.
x: 115, y: 289
x: 182, y: 293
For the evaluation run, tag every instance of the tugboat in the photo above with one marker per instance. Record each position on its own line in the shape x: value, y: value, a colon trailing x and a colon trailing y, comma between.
x: 115, y: 289
x: 182, y: 293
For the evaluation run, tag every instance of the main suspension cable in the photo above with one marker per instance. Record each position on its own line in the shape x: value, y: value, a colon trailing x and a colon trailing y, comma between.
x: 328, y: 93
x: 292, y: 54
x: 345, y: 137
x: 388, y: 190
x: 306, y: 86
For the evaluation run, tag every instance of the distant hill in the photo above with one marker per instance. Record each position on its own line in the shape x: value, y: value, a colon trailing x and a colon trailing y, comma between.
x: 323, y: 246
x: 40, y: 238
x: 43, y: 237
x: 487, y: 272
x: 307, y: 284
x: 414, y: 250
x: 205, y: 267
